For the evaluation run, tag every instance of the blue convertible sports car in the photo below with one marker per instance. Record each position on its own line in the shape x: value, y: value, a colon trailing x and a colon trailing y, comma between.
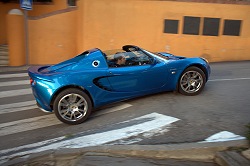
x: 94, y: 78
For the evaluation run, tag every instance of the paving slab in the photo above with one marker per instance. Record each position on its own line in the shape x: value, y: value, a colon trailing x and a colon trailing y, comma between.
x: 231, y: 158
x: 246, y: 154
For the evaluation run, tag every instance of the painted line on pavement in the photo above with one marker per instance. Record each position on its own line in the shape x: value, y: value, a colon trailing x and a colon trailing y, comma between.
x: 116, y: 108
x: 34, y: 145
x: 103, y: 112
x: 12, y: 93
x: 17, y: 105
x: 28, y: 124
x: 148, y: 123
x: 13, y: 75
x: 10, y: 110
x: 44, y: 121
x: 12, y: 83
x: 230, y: 79
x: 223, y: 136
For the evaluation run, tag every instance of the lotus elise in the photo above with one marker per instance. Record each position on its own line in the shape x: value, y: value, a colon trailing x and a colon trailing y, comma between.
x: 75, y: 87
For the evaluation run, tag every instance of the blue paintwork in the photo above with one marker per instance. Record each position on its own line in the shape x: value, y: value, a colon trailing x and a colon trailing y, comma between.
x: 105, y: 84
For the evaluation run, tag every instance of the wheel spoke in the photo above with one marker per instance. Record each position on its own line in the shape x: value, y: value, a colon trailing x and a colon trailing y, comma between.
x: 189, y: 75
x: 64, y: 112
x: 82, y: 111
x: 73, y: 98
x: 197, y: 87
x: 184, y: 82
x: 195, y: 75
x: 199, y: 80
x: 81, y: 102
x: 185, y: 77
x: 72, y: 116
x: 187, y: 88
x: 64, y: 103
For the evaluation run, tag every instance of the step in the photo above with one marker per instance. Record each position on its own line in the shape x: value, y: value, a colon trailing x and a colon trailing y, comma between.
x: 231, y: 158
x: 4, y: 52
x: 4, y: 47
x: 4, y: 62
x: 4, y: 55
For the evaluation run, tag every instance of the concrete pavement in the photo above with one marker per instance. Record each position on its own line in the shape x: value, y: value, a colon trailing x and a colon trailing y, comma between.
x: 173, y: 154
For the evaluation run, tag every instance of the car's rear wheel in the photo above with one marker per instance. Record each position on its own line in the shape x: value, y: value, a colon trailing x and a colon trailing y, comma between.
x: 72, y: 106
x: 192, y: 81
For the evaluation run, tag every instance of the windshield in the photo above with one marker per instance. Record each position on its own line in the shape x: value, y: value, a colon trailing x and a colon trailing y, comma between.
x: 127, y: 56
x: 158, y: 55
x: 133, y: 55
x: 110, y: 53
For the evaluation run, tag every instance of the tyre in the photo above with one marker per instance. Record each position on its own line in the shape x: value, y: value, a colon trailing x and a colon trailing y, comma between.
x: 72, y: 106
x: 192, y: 81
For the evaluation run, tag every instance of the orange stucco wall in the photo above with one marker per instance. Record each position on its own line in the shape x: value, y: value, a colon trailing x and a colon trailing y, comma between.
x: 38, y: 9
x: 112, y: 23
x: 52, y: 39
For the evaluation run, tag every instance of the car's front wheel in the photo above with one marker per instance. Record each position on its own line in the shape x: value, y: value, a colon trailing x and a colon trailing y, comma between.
x: 192, y: 81
x: 72, y: 106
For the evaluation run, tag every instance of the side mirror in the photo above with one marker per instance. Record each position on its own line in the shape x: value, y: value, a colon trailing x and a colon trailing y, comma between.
x: 154, y: 61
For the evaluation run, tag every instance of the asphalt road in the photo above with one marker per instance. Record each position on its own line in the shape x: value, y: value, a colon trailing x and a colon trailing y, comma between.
x: 224, y: 105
